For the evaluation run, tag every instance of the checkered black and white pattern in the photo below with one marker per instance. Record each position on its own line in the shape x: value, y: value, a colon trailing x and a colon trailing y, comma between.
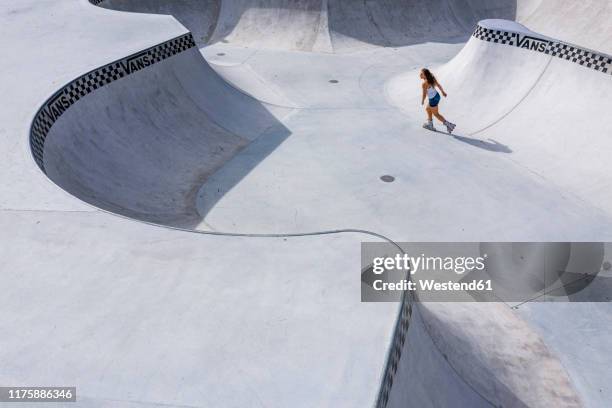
x: 399, y: 338
x: 93, y: 80
x: 589, y: 59
x: 95, y: 2
x: 171, y: 48
x: 581, y: 56
x: 86, y: 84
x: 496, y: 36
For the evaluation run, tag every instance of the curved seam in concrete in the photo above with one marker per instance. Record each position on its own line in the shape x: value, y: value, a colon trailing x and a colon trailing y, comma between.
x: 435, y: 344
x: 372, y: 20
x: 276, y: 105
x: 460, y: 22
x: 213, y: 27
x: 520, y: 101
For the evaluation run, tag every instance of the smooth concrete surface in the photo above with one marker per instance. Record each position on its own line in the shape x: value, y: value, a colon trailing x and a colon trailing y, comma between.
x: 260, y: 141
x: 150, y: 316
x: 489, y: 367
x: 573, y: 332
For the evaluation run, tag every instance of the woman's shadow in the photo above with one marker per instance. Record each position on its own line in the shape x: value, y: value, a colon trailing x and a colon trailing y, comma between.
x: 490, y: 144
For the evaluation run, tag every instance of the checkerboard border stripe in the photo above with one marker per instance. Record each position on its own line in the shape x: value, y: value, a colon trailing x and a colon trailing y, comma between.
x: 581, y: 56
x: 397, y: 346
x: 68, y: 95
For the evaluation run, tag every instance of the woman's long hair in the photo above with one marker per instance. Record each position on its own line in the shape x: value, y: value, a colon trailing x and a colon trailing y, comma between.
x: 429, y: 77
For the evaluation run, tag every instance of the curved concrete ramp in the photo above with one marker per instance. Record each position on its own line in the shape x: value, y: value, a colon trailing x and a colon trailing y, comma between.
x: 324, y: 25
x: 345, y: 25
x: 199, y: 16
x: 393, y: 23
x: 549, y: 108
x: 282, y: 24
x: 143, y: 145
x: 477, y: 355
x: 558, y: 124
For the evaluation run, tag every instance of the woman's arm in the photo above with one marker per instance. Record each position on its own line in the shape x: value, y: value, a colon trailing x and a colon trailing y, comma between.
x: 441, y: 89
x: 424, y: 95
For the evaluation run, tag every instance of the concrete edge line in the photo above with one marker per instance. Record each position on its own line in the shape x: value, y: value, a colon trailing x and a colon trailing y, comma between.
x: 69, y: 94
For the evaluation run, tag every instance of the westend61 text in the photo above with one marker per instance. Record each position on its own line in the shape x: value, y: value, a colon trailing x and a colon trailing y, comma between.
x: 432, y: 285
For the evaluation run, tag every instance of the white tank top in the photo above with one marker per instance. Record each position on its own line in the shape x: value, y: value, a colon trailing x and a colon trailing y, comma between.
x: 431, y: 92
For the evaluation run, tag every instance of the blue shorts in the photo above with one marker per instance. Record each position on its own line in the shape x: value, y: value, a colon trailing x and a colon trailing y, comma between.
x: 433, y: 102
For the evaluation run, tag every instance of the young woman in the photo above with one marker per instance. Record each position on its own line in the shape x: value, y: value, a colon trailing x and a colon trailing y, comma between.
x: 430, y: 83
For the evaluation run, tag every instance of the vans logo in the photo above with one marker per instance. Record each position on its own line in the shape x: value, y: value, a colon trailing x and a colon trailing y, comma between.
x: 136, y: 62
x: 532, y: 43
x: 55, y: 107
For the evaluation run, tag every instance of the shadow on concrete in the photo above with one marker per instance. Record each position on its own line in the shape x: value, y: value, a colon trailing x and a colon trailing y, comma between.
x: 228, y: 176
x: 490, y: 144
x: 144, y: 145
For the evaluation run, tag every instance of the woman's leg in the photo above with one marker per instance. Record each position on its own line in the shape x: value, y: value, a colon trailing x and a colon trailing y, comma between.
x: 449, y: 126
x: 429, y: 113
x: 435, y: 112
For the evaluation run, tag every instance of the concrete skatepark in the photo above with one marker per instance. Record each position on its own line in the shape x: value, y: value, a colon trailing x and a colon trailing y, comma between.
x: 184, y: 229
